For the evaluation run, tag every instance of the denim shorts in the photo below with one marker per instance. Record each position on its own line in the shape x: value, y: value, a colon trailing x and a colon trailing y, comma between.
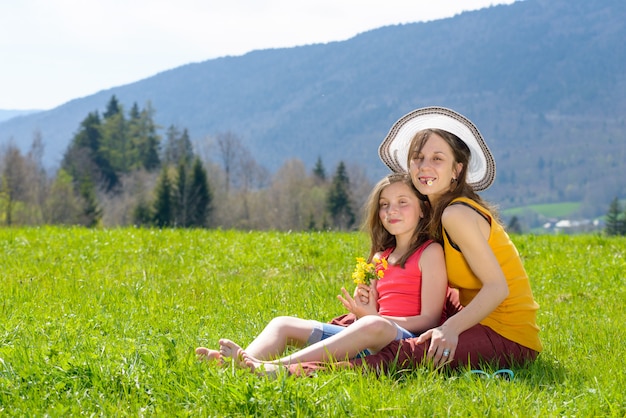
x: 321, y: 331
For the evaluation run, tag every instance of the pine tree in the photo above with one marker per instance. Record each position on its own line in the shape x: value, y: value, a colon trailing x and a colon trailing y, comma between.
x: 113, y: 108
x: 116, y: 145
x: 91, y: 212
x: 85, y: 159
x: 200, y: 196
x: 177, y: 147
x: 89, y: 135
x: 142, y: 214
x: 89, y: 168
x: 319, y: 173
x: 149, y: 141
x: 134, y: 112
x: 338, y: 201
x: 615, y: 219
x: 163, y: 207
x: 192, y: 196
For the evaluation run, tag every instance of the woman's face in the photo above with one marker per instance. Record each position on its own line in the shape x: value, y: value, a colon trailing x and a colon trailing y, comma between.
x: 433, y: 169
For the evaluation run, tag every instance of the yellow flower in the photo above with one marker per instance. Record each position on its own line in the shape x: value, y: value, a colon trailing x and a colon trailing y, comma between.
x: 365, y: 272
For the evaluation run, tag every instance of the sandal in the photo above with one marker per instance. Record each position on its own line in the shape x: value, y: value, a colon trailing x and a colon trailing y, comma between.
x: 504, y: 374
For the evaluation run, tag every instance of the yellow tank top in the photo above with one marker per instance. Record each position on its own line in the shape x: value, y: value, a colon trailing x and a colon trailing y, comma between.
x: 515, y: 317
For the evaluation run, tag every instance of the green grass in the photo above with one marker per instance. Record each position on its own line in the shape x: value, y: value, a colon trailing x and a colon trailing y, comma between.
x: 104, y: 322
x: 551, y: 210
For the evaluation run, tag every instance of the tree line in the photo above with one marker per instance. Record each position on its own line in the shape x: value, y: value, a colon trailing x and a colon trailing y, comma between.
x: 118, y: 170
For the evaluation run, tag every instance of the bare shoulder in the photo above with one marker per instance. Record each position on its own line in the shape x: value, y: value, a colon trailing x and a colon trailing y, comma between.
x: 433, y: 261
x: 464, y: 225
x: 457, y: 215
x: 433, y: 251
x: 457, y: 210
x: 434, y: 247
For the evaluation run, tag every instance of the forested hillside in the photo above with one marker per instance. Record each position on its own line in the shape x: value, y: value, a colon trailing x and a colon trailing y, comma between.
x: 545, y: 82
x: 118, y: 171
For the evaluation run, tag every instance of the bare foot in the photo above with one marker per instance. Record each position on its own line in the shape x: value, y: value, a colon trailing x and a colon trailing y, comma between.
x: 229, y: 348
x: 207, y: 354
x: 262, y: 368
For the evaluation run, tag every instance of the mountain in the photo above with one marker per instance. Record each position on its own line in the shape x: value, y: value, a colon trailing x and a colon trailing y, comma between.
x: 8, y: 114
x: 544, y: 80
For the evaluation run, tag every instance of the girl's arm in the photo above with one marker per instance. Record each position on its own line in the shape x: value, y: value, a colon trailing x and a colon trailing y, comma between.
x: 434, y: 286
x: 470, y: 232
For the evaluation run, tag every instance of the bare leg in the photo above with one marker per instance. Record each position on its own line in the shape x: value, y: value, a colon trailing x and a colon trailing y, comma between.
x: 370, y: 332
x: 281, y: 332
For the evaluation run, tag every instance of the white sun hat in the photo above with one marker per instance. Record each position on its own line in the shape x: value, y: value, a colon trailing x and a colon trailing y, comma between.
x: 394, y: 149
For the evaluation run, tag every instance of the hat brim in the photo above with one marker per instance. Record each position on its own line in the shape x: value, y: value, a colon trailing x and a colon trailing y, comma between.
x: 394, y: 149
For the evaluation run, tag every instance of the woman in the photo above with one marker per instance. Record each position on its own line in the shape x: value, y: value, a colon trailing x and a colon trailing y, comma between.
x: 494, y: 320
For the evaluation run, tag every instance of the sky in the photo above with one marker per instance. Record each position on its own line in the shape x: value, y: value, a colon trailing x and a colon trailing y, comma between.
x: 53, y: 51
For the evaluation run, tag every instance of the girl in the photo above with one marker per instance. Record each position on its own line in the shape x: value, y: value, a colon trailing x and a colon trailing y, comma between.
x: 411, y: 292
x: 494, y: 318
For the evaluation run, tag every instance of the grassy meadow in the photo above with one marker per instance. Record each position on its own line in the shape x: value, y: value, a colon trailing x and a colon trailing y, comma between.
x: 549, y: 210
x: 104, y: 323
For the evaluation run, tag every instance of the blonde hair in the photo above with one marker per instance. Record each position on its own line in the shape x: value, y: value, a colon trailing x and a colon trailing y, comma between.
x: 380, y: 238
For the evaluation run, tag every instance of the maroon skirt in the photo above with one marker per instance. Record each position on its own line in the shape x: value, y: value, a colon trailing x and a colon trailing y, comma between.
x: 477, y: 346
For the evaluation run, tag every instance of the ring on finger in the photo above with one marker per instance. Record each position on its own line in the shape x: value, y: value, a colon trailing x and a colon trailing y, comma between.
x: 446, y: 352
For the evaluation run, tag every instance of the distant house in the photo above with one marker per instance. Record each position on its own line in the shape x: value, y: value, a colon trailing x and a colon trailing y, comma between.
x: 567, y: 226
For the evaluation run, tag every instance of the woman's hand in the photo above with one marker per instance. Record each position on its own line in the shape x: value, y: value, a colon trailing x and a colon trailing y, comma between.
x: 442, y: 346
x: 363, y: 303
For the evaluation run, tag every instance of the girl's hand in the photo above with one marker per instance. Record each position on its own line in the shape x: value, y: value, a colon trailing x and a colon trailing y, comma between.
x: 355, y: 304
x: 362, y: 293
x: 366, y: 293
x: 442, y: 345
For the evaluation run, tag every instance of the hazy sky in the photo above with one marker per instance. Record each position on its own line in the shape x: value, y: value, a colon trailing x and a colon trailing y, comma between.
x: 53, y: 51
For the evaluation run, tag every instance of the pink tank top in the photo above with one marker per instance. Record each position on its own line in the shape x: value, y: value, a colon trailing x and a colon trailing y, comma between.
x: 400, y: 290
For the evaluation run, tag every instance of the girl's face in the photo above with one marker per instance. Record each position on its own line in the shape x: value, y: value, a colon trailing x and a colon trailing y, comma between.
x: 399, y: 209
x: 433, y: 169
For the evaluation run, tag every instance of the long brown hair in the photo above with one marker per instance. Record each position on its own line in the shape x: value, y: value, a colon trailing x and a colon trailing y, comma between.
x: 380, y: 238
x: 461, y: 154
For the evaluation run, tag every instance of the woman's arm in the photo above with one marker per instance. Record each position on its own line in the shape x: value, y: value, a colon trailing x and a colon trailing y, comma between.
x: 434, y: 285
x: 470, y: 232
